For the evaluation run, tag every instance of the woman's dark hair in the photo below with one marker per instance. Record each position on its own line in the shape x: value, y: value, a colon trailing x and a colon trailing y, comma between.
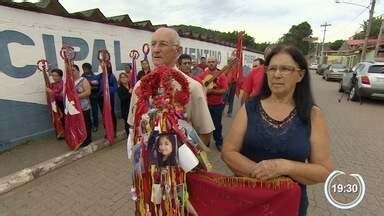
x: 87, y: 68
x: 120, y: 75
x: 303, y: 94
x: 171, y: 160
x: 260, y: 60
x: 77, y: 67
x: 145, y: 61
x: 58, y: 71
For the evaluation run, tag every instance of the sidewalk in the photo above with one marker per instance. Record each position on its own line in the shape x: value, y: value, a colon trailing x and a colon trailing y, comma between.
x: 38, y: 150
x: 35, y: 158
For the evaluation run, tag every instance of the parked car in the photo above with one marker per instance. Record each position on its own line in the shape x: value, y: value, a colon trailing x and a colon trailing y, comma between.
x: 313, y: 66
x: 366, y: 79
x: 334, y: 72
x: 321, y: 68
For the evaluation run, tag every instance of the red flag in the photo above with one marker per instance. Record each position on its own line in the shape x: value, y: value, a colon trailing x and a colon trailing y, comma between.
x: 134, y: 54
x: 239, y: 67
x: 54, y: 112
x: 104, y: 58
x: 75, y: 130
x: 215, y: 194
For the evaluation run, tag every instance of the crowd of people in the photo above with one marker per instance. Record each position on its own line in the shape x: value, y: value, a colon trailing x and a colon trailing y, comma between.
x: 278, y: 131
x: 89, y: 89
x: 222, y: 89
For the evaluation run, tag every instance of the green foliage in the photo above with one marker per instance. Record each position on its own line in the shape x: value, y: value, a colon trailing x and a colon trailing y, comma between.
x: 296, y: 36
x: 375, y: 28
x: 228, y: 37
x: 335, y: 45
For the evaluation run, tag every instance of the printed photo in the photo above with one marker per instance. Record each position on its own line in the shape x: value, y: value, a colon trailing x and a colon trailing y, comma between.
x: 164, y: 150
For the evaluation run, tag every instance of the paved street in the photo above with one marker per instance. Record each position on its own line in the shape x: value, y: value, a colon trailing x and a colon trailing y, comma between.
x: 99, y: 184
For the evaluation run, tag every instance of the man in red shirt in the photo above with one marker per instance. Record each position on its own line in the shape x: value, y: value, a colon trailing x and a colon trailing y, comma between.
x: 203, y: 63
x: 215, y: 97
x: 232, y: 83
x: 253, y: 83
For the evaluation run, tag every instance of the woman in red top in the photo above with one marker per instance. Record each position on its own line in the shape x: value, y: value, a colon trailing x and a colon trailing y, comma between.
x: 57, y: 89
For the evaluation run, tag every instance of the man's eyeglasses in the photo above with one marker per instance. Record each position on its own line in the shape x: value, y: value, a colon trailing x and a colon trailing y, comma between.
x: 283, y: 69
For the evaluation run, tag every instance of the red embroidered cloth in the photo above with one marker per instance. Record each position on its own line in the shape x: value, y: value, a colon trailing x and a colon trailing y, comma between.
x: 215, y: 194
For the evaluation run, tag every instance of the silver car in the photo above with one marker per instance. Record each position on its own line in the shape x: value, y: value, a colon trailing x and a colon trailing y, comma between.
x: 335, y: 72
x: 366, y: 79
x: 313, y: 66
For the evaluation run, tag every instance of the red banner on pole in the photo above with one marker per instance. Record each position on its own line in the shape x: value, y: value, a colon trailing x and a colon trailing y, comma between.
x: 134, y: 54
x: 104, y: 59
x: 75, y: 130
x: 54, y: 112
x: 239, y: 67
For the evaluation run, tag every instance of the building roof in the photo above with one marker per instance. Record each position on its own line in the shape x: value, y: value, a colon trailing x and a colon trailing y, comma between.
x: 145, y: 24
x: 54, y: 7
x: 123, y: 20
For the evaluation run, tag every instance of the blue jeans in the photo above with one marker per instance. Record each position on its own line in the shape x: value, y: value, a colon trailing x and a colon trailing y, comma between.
x: 216, y: 112
x: 229, y: 97
x: 95, y: 111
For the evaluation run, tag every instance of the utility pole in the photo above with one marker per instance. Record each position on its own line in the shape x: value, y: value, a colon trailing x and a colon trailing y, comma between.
x: 368, y: 30
x: 325, y: 25
x: 379, y: 38
x: 317, y: 52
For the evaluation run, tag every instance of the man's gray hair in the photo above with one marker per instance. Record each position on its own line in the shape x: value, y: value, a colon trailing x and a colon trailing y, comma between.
x: 175, y: 38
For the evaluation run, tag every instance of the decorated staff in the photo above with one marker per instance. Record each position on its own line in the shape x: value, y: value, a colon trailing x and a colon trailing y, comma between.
x: 134, y: 54
x: 54, y: 111
x: 75, y: 130
x: 239, y: 55
x: 166, y: 147
x: 238, y: 73
x: 146, y: 50
x: 164, y: 144
x: 104, y: 58
x: 145, y: 68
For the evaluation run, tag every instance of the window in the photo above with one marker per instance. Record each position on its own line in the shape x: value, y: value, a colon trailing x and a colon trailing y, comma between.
x: 377, y: 69
x: 359, y: 68
x: 338, y: 66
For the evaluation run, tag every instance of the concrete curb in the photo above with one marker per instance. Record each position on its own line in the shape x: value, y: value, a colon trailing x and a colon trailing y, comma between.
x: 26, y: 175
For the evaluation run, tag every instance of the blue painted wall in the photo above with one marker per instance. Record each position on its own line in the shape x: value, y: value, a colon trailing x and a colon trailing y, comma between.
x: 21, y: 121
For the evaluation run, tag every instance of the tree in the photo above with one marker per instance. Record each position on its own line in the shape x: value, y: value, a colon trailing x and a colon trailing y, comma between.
x: 229, y: 37
x: 335, y: 45
x: 296, y: 36
x: 375, y: 28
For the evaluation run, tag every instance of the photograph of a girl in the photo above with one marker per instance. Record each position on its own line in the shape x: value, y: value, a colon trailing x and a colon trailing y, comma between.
x: 165, y: 151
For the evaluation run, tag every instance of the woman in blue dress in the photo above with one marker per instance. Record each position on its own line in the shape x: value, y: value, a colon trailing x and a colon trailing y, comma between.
x: 282, y: 132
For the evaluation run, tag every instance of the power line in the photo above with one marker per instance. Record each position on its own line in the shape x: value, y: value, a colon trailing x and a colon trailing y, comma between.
x: 359, y: 14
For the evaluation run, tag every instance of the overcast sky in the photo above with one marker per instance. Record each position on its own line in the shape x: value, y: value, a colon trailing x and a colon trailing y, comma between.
x: 264, y: 20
